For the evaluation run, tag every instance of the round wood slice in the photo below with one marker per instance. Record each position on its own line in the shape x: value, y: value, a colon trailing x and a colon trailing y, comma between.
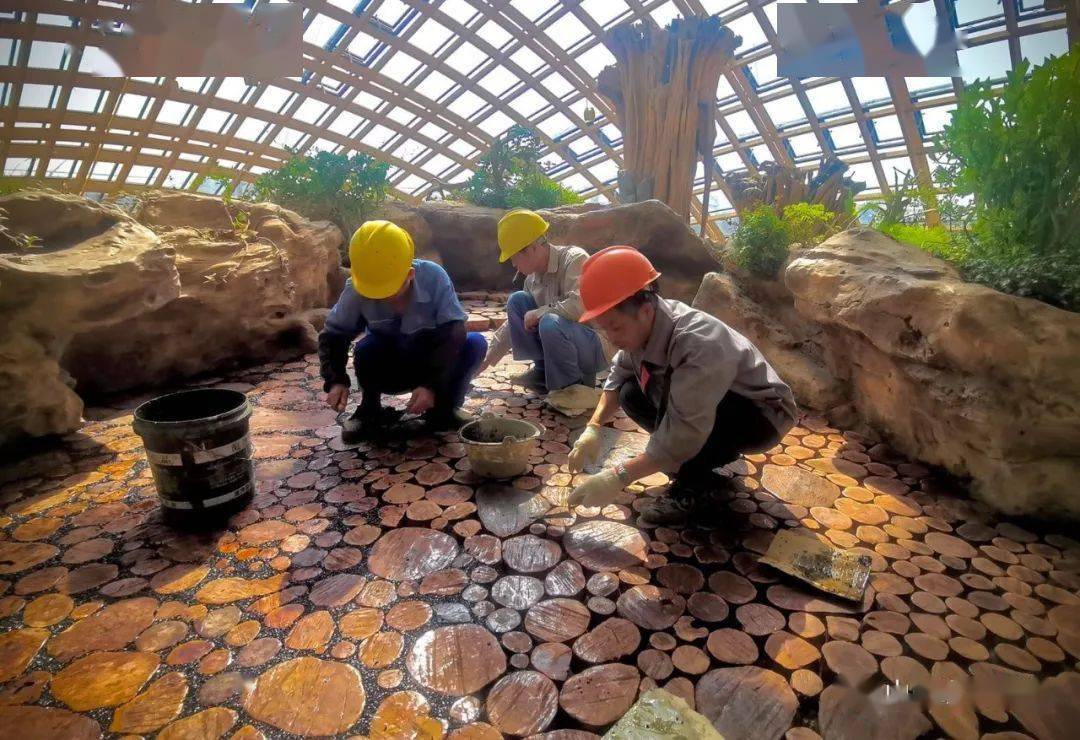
x: 456, y: 660
x: 517, y: 642
x: 662, y: 641
x: 600, y: 695
x: 410, y: 553
x: 690, y: 659
x: 881, y: 644
x: 434, y: 473
x: 790, y: 651
x: 746, y: 703
x: 530, y: 554
x: 732, y: 587
x: 651, y: 608
x: 330, y: 711
x: 557, y: 620
x: 565, y: 579
x: 602, y: 584
x: 849, y: 661
x: 680, y: 578
x: 608, y: 641
x: 732, y: 646
x: 707, y: 607
x: 522, y: 703
x: 552, y: 659
x: 518, y: 592
x: 484, y: 547
x: 655, y: 664
x: 605, y: 546
x: 805, y: 625
x: 759, y: 619
x: 406, y: 616
x: 927, y: 646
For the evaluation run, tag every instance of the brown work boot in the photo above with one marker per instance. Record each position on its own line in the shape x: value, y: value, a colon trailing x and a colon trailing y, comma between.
x: 532, y: 378
x: 698, y: 503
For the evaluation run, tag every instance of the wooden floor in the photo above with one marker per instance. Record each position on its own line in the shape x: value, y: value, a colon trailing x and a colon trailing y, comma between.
x: 390, y: 593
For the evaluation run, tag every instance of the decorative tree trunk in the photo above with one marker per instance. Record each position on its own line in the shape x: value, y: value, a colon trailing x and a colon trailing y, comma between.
x: 663, y: 82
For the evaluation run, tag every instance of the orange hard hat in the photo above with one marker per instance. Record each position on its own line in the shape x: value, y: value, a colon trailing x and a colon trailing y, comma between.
x: 611, y: 276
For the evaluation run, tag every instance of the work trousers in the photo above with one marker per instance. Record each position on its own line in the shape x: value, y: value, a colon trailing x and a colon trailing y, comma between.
x: 387, y: 363
x: 739, y: 426
x: 567, y: 352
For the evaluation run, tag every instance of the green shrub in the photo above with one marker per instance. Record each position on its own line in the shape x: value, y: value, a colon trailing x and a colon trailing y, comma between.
x: 335, y: 187
x: 809, y: 223
x: 509, y: 175
x: 760, y: 245
x: 937, y: 240
x: 1016, y: 152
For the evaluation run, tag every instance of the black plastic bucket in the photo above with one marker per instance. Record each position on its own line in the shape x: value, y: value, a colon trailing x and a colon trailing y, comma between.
x: 198, y: 447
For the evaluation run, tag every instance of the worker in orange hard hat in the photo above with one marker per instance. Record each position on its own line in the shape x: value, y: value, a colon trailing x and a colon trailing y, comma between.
x: 703, y: 391
x: 414, y: 338
x: 542, y: 320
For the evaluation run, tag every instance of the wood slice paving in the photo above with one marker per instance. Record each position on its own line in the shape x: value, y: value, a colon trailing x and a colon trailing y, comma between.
x: 387, y: 591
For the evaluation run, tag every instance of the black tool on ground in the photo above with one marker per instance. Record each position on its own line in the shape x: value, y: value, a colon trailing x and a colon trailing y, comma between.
x: 200, y: 454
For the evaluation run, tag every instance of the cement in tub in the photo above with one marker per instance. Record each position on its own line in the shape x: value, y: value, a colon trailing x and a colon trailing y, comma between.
x: 498, y: 447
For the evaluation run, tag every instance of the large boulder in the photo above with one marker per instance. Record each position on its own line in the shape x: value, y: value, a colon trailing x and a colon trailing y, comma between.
x: 952, y: 373
x: 463, y: 238
x: 102, y: 302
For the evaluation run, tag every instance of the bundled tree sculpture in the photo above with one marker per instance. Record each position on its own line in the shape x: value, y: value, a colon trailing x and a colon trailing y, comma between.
x: 779, y: 186
x: 663, y: 90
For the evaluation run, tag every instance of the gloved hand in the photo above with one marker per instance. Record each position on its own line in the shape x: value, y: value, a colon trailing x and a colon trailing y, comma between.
x: 599, y: 490
x: 586, y: 449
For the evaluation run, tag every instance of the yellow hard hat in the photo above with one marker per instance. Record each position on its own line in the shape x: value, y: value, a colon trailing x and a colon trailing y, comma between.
x: 380, y: 256
x: 517, y: 230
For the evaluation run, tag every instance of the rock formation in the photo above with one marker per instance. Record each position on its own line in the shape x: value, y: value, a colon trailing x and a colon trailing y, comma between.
x: 105, y: 301
x: 952, y: 373
x: 462, y: 239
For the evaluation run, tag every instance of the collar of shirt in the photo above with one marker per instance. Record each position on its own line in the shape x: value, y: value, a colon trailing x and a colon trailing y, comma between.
x: 656, y: 347
x: 418, y: 313
x: 554, y: 254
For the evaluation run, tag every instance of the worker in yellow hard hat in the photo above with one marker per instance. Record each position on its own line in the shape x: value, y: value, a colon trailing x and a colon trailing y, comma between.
x: 542, y: 320
x: 415, y: 337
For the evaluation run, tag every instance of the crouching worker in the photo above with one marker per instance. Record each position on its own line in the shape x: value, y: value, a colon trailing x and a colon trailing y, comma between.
x: 415, y: 337
x: 702, y: 390
x: 542, y: 320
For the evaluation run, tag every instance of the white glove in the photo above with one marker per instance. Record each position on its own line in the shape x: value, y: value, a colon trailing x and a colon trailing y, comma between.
x: 586, y: 449
x: 598, y: 490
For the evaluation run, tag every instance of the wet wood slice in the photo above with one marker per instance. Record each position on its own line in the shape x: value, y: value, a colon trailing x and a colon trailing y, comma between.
x: 759, y: 619
x: 707, y: 607
x: 530, y: 554
x: 849, y: 661
x: 505, y: 510
x: 732, y: 587
x: 410, y: 553
x: 308, y: 696
x: 106, y: 679
x: 557, y: 620
x: 797, y: 486
x: 517, y: 592
x: 790, y: 651
x: 552, y: 659
x: 114, y: 626
x: 522, y: 703
x: 650, y: 607
x: 605, y: 546
x: 746, y: 703
x: 565, y: 579
x: 456, y: 660
x: 609, y: 641
x: 600, y: 695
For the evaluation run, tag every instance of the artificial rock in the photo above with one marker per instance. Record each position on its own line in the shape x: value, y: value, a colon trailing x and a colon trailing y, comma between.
x: 106, y: 301
x: 955, y: 374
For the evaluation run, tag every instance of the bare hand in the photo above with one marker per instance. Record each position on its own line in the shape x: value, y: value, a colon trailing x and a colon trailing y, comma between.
x: 422, y: 399
x: 532, y: 319
x: 337, y: 397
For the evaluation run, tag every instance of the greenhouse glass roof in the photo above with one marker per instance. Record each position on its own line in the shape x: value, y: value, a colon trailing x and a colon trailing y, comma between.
x: 425, y: 85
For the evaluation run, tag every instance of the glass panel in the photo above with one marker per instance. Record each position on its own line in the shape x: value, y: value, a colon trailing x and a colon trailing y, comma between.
x: 430, y: 36
x: 529, y: 103
x: 273, y: 99
x: 870, y: 90
x: 498, y: 80
x: 103, y: 171
x: 60, y: 168
x: 251, y: 129
x: 18, y: 166
x: 310, y: 110
x: 96, y: 62
x: 741, y: 124
x: 320, y: 30
x: 233, y: 88
x: 749, y: 30
x: 36, y: 96
x: 887, y: 128
x: 213, y: 120
x: 663, y: 15
x: 345, y: 123
x: 567, y: 31
x: 935, y: 119
x: 604, y: 11
x: 557, y: 84
x: 466, y: 104
x: 595, y: 59
x: 176, y: 179
x: 526, y: 59
x: 46, y: 54
x: 434, y: 85
x: 987, y: 61
x: 495, y: 123
x: 804, y: 144
x: 785, y: 110
x: 85, y: 99
x: 1038, y: 47
x: 494, y: 34
x: 140, y: 174
x: 532, y: 9
x: 465, y: 58
x: 968, y: 11
x: 846, y: 135
x: 399, y: 66
x: 828, y: 99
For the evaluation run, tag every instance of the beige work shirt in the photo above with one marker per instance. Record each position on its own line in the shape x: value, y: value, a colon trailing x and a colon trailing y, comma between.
x: 555, y: 291
x: 707, y: 358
